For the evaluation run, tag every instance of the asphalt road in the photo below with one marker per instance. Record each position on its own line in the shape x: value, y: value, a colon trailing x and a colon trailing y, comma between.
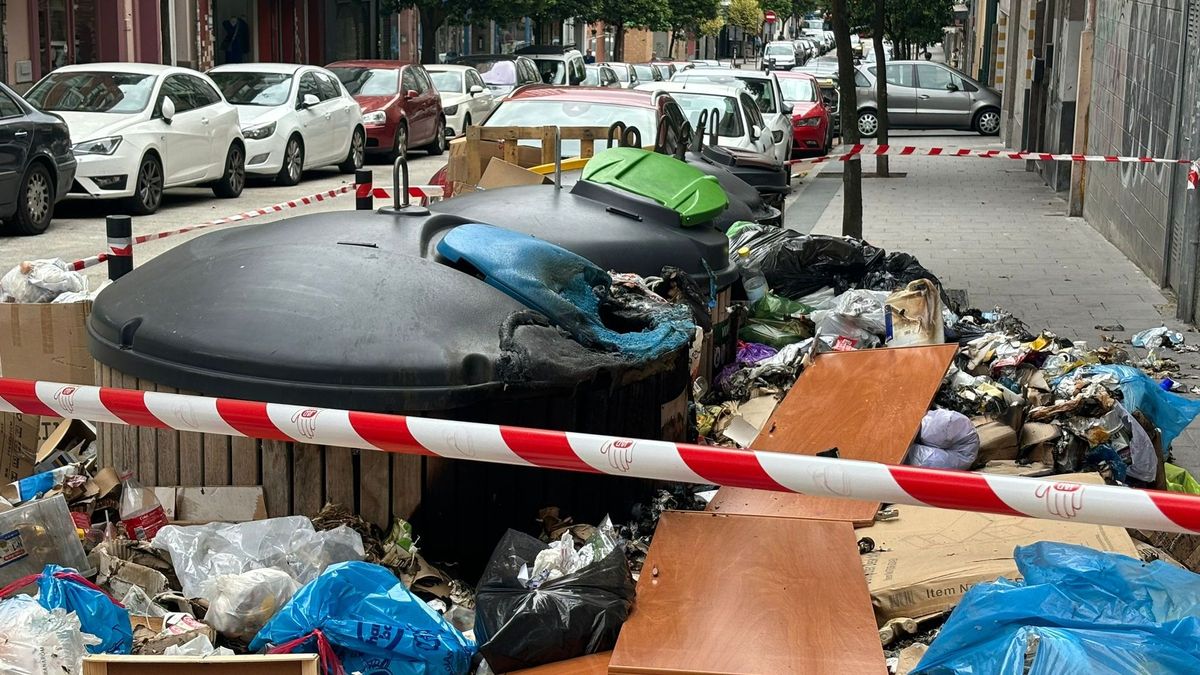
x: 78, y: 227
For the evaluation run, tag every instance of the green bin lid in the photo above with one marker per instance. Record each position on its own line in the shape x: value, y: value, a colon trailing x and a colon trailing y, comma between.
x: 697, y: 197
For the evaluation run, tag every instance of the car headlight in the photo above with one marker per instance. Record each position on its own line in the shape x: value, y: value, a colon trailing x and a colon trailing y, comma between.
x: 451, y: 110
x: 99, y: 146
x: 375, y: 117
x: 807, y: 122
x: 255, y: 133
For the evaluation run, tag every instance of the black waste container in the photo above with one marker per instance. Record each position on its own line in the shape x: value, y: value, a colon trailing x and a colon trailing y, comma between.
x: 356, y: 310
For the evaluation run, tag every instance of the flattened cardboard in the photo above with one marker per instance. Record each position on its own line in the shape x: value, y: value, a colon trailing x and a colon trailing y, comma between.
x: 252, y: 664
x: 996, y: 441
x: 18, y: 445
x: 500, y: 173
x: 931, y: 556
x: 199, y: 505
x: 46, y: 342
x: 64, y: 445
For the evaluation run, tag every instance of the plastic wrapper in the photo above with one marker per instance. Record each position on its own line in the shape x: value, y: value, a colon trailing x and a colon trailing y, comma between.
x: 197, y: 646
x: 1171, y: 413
x: 857, y: 315
x: 202, y: 553
x: 373, y: 623
x: 1157, y: 337
x: 40, y: 281
x: 947, y: 440
x: 37, y: 641
x: 1180, y: 480
x: 241, y: 604
x: 1078, y: 611
x: 572, y: 615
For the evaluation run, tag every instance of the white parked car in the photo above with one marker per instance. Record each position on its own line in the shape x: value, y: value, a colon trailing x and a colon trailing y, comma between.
x: 466, y: 99
x: 764, y: 87
x: 141, y: 128
x: 625, y: 73
x: 739, y: 123
x: 293, y: 118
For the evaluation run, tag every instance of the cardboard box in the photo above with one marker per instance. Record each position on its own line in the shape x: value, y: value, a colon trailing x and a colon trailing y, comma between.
x: 200, y: 505
x: 929, y: 557
x: 46, y: 342
x: 996, y: 440
x: 18, y: 446
x: 500, y: 173
x: 64, y: 445
x: 256, y: 664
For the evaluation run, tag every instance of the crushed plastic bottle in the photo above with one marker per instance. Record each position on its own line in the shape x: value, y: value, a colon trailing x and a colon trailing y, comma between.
x: 141, y: 512
x: 752, y: 278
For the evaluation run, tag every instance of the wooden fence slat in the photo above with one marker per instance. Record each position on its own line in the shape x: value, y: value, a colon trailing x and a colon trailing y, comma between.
x: 308, y: 478
x: 406, y: 482
x: 167, y: 447
x: 126, y: 456
x: 374, y: 470
x: 277, y: 477
x: 147, y: 442
x: 339, y: 477
x: 246, y: 459
x: 216, y: 459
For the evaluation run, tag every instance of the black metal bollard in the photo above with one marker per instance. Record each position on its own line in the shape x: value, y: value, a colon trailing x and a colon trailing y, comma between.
x: 120, y: 246
x: 363, y: 187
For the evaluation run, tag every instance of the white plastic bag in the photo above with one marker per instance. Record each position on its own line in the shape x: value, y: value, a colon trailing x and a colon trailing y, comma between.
x: 201, y: 553
x: 40, y: 281
x: 36, y: 641
x: 947, y: 440
x: 856, y: 314
x: 241, y: 604
x: 197, y: 646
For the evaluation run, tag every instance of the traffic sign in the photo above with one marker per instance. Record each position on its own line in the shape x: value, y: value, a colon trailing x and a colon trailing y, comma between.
x: 769, y: 15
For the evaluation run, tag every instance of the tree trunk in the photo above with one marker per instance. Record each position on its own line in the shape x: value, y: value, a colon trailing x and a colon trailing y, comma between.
x: 852, y: 170
x: 671, y: 47
x: 881, y: 137
x: 619, y: 43
x: 431, y: 20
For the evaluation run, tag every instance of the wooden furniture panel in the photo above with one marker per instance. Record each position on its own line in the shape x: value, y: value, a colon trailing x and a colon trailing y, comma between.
x: 747, y: 594
x: 868, y: 404
x: 592, y: 664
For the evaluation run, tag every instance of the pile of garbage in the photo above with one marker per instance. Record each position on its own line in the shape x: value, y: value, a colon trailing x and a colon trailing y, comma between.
x: 42, y: 281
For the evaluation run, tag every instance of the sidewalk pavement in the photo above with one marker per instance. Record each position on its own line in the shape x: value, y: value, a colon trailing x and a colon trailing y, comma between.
x: 995, y: 230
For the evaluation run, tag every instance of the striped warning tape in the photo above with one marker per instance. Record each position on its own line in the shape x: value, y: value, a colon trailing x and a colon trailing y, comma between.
x: 422, y: 192
x: 659, y: 460
x: 860, y: 150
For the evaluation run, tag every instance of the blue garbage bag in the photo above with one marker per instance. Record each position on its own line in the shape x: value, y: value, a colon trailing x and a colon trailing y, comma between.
x: 1170, y: 412
x: 1078, y: 610
x: 99, y: 614
x: 374, y: 624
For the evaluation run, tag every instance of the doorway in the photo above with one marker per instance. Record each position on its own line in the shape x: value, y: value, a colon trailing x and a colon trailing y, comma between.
x: 236, y: 33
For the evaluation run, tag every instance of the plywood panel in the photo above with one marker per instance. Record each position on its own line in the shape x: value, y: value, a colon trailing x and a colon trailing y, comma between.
x: 748, y: 594
x: 868, y: 404
x: 592, y: 664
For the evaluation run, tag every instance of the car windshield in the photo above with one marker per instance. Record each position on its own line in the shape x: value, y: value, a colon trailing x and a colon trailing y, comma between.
x: 552, y: 72
x: 447, y: 81
x: 119, y: 93
x: 780, y: 50
x: 759, y: 88
x: 796, y: 89
x: 268, y: 89
x: 726, y: 107
x: 532, y: 112
x: 644, y: 73
x: 369, y: 81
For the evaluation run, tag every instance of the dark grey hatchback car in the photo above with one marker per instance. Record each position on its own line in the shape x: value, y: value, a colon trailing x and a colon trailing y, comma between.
x: 36, y: 164
x: 923, y: 95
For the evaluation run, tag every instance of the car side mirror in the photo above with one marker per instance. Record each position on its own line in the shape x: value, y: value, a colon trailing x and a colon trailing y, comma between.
x: 168, y: 109
x: 476, y: 90
x: 788, y: 109
x: 308, y: 101
x: 410, y: 94
x: 950, y: 86
x: 756, y: 132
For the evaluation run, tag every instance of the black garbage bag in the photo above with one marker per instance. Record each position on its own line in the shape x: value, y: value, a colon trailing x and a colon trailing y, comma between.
x: 807, y: 263
x: 574, y: 615
x: 895, y: 270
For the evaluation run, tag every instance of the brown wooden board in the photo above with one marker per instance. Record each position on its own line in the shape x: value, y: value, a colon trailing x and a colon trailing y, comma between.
x: 592, y: 664
x: 746, y: 594
x: 255, y: 664
x: 868, y: 404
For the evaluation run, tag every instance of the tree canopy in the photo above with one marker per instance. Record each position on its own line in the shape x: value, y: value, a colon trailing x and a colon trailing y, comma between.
x: 745, y: 14
x: 906, y: 22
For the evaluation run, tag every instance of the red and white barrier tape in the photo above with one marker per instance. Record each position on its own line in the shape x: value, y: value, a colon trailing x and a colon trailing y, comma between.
x: 425, y: 193
x: 660, y: 460
x: 857, y: 151
x: 116, y: 248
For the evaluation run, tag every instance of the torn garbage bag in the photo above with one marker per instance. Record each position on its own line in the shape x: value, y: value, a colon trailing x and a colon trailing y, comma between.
x: 38, y: 641
x: 947, y: 440
x: 564, y: 617
x: 372, y: 623
x: 99, y: 614
x: 856, y: 315
x: 1171, y: 413
x: 1078, y: 611
x: 567, y: 288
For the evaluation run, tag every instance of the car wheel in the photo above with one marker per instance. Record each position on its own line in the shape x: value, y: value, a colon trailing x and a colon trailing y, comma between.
x: 868, y: 124
x: 400, y: 147
x: 35, y: 203
x: 293, y: 162
x: 354, y: 158
x: 987, y: 122
x: 234, y: 178
x: 147, y: 191
x: 438, y: 146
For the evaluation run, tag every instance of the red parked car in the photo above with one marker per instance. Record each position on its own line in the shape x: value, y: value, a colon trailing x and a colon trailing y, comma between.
x: 812, y: 125
x: 400, y: 105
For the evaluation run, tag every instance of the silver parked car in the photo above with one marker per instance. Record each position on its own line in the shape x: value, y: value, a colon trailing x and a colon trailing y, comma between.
x: 923, y: 95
